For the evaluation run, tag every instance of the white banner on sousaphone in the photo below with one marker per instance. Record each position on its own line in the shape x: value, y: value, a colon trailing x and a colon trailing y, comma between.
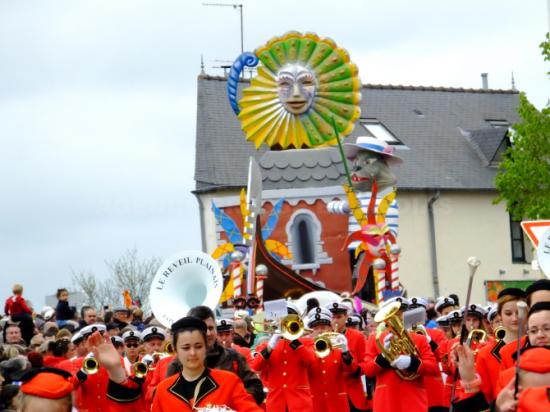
x: 187, y: 279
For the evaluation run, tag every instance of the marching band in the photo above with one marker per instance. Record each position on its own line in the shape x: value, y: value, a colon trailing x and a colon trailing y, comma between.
x: 316, y: 361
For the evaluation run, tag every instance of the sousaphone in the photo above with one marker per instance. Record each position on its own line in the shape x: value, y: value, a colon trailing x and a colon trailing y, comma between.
x: 188, y: 279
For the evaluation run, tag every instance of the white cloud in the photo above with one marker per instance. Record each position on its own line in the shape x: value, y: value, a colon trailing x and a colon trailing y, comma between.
x: 97, y: 106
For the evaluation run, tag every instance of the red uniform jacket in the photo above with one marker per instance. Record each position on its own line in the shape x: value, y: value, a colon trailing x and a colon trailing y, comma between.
x: 488, y: 368
x: 287, y: 380
x: 155, y: 377
x: 507, y: 353
x: 326, y: 378
x: 91, y: 394
x: 219, y: 388
x: 449, y: 368
x: 434, y: 383
x: 354, y: 385
x: 534, y: 400
x: 246, y: 352
x: 392, y: 393
x: 15, y: 305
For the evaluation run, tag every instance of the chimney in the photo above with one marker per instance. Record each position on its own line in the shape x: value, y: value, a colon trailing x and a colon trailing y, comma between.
x: 484, y: 80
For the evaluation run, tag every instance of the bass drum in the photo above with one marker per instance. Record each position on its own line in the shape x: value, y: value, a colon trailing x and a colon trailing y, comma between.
x: 187, y: 279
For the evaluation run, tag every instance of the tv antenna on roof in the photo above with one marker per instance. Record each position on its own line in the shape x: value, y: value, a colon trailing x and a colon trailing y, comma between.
x: 235, y: 6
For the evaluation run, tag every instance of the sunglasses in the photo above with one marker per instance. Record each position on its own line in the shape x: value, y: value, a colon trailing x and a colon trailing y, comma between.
x: 132, y: 345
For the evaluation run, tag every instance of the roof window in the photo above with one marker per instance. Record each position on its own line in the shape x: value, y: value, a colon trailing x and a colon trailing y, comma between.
x: 376, y: 129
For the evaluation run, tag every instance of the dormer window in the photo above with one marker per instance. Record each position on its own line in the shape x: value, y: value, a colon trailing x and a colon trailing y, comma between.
x: 375, y: 128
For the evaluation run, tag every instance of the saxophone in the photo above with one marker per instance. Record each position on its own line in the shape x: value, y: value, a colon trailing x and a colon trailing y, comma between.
x: 401, y: 343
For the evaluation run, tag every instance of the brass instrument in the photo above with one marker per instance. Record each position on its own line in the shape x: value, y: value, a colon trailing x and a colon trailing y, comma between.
x: 268, y: 327
x: 401, y: 343
x: 500, y: 333
x: 140, y: 369
x: 90, y: 366
x: 417, y: 330
x: 169, y: 348
x: 326, y: 342
x: 292, y: 327
x: 476, y: 336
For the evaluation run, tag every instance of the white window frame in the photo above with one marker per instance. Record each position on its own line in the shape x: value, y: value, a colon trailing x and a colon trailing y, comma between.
x: 320, y: 256
x: 377, y: 129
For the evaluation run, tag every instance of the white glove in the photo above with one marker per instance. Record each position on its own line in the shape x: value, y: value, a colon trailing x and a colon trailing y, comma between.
x: 387, y: 341
x: 148, y: 359
x: 273, y: 341
x: 342, y: 341
x: 402, y: 362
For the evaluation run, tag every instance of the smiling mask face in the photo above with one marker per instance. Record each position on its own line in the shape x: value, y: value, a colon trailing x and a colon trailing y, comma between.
x: 296, y: 88
x: 368, y: 165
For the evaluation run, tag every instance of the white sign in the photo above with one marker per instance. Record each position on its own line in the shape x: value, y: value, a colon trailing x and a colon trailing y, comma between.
x: 543, y: 253
x: 188, y: 279
x: 275, y: 309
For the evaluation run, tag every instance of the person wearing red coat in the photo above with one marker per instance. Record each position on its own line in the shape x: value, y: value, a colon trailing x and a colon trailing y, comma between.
x: 18, y: 310
x: 393, y: 393
x: 356, y: 343
x: 326, y: 375
x: 433, y: 383
x: 488, y: 359
x: 194, y: 388
x: 284, y: 365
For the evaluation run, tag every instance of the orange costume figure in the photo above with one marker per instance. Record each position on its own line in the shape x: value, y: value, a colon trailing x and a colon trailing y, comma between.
x: 394, y: 393
x: 285, y: 364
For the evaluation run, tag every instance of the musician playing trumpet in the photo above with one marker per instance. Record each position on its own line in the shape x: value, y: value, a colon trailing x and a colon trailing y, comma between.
x: 399, y: 383
x: 333, y: 361
x: 356, y: 343
x: 284, y: 363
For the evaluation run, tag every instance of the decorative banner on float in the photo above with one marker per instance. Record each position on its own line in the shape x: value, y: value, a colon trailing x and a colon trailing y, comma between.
x: 187, y: 279
x: 493, y: 287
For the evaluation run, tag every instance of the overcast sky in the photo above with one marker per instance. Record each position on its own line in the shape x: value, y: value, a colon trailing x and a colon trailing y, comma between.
x: 97, y: 106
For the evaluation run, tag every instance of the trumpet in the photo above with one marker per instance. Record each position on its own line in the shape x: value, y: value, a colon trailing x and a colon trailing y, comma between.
x: 401, y: 343
x: 292, y: 327
x: 326, y: 342
x: 140, y: 369
x: 90, y: 366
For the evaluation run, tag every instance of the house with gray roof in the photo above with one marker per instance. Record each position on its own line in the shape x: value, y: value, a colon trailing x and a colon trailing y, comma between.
x: 450, y: 140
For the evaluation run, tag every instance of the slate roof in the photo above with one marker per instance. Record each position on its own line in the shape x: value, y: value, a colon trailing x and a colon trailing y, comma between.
x: 430, y: 121
x: 486, y: 142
